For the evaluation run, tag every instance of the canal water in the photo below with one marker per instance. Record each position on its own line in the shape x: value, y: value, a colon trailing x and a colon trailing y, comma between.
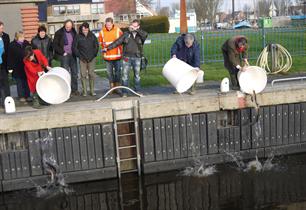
x: 226, y: 187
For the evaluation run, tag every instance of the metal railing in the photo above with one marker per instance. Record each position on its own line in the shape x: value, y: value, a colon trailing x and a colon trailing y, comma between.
x: 157, y: 46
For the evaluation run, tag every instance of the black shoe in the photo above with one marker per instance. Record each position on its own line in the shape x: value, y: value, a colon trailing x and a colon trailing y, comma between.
x: 75, y: 93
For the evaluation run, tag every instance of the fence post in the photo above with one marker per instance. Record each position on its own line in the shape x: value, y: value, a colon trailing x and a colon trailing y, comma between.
x: 202, y: 45
x: 263, y: 37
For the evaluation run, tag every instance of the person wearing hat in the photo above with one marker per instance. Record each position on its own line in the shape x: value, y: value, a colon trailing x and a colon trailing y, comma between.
x: 187, y: 49
x: 235, y: 57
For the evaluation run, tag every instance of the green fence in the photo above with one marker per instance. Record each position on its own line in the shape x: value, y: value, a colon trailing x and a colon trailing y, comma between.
x: 157, y: 46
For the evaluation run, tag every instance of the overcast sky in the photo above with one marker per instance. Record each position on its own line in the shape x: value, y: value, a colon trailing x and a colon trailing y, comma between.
x: 227, y: 4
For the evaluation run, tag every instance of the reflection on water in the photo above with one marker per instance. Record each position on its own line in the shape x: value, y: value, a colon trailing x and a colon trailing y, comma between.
x: 226, y: 189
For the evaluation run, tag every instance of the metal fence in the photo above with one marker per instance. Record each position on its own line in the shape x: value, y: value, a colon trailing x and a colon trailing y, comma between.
x: 157, y: 46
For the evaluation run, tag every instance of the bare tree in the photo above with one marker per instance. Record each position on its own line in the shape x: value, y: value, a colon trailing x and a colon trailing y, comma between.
x: 263, y: 7
x: 147, y: 3
x: 206, y: 9
x: 283, y: 6
x: 174, y: 6
x: 247, y: 10
x: 164, y: 11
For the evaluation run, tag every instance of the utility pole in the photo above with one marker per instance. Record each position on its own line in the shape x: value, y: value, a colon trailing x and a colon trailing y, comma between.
x: 233, y: 10
x: 183, y: 18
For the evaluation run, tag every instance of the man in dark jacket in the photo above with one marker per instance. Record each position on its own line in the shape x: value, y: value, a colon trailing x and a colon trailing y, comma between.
x: 62, y: 44
x: 86, y: 47
x: 187, y: 49
x: 4, y: 84
x: 235, y: 57
x: 44, y: 43
x: 132, y: 42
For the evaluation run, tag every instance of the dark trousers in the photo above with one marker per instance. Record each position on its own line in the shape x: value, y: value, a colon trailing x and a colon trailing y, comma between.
x: 233, y: 71
x: 4, y: 83
x: 69, y: 63
x: 22, y: 87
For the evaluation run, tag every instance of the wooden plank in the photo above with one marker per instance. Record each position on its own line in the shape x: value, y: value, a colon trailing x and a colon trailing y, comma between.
x: 75, y: 148
x: 297, y: 123
x: 103, y: 202
x: 285, y: 124
x: 212, y: 133
x: 95, y: 201
x: 35, y: 153
x: 232, y: 139
x: 152, y: 198
x: 83, y: 147
x: 303, y: 122
x: 87, y: 202
x: 17, y: 154
x: 157, y: 139
x: 25, y: 163
x: 148, y: 141
x: 60, y: 149
x: 221, y: 140
x: 98, y: 146
x: 291, y: 129
x: 203, y: 134
x: 81, y: 203
x: 190, y: 136
x: 196, y: 133
x: 68, y: 149
x: 279, y: 124
x: 161, y: 196
x: 163, y: 137
x: 108, y: 145
x: 227, y: 139
x: 237, y: 138
x: 50, y: 134
x: 266, y: 125
x: 273, y: 137
x: 5, y: 162
x: 113, y: 200
x: 245, y: 120
x: 176, y: 137
x: 183, y: 136
x: 91, y: 147
x: 169, y: 138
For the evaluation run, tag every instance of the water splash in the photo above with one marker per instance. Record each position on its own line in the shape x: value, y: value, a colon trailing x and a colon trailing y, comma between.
x: 199, y: 170
x: 253, y: 165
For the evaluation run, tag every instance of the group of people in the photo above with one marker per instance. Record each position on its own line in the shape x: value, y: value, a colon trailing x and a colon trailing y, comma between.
x: 121, y: 51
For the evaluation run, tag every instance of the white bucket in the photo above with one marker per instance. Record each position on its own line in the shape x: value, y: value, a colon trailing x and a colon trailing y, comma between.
x: 54, y: 86
x: 200, y: 78
x: 224, y: 87
x: 252, y: 79
x: 181, y: 75
x: 9, y: 105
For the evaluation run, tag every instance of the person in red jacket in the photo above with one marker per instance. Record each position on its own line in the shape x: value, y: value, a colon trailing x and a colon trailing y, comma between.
x: 35, y: 63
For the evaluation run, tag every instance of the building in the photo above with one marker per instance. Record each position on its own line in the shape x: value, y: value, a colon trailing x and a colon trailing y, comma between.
x: 20, y: 15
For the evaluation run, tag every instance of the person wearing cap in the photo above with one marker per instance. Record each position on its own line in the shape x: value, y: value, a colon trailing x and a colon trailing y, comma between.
x: 35, y: 64
x: 44, y: 43
x: 187, y: 49
x: 235, y: 57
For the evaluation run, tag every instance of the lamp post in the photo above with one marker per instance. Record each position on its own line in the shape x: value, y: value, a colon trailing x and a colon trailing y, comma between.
x: 183, y: 18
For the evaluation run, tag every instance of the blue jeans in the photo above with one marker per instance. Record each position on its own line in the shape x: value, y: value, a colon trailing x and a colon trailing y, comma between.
x: 69, y: 63
x: 133, y: 62
x: 113, y: 70
x: 22, y: 88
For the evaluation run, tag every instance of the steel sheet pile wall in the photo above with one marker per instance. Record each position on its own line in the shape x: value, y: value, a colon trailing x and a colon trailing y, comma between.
x: 83, y: 153
x: 173, y: 142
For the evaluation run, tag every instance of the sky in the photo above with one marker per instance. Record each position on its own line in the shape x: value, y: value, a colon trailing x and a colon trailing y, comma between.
x: 226, y: 6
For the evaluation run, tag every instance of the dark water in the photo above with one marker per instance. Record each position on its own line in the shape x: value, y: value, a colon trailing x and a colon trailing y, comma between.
x: 281, y: 188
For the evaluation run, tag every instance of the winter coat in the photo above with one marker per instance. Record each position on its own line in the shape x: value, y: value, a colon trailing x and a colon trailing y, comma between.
x: 6, y: 41
x: 33, y: 67
x: 85, y: 47
x: 106, y: 37
x: 229, y: 48
x: 189, y: 55
x: 44, y: 45
x: 15, y: 58
x: 59, y: 40
x: 1, y: 49
x: 132, y: 46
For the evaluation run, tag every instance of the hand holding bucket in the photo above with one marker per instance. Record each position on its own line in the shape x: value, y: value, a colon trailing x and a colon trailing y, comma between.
x: 180, y: 74
x: 54, y: 86
x: 252, y: 79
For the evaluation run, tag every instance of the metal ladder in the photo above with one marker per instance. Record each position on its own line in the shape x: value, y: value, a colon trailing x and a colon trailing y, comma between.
x: 134, y: 134
x: 137, y: 186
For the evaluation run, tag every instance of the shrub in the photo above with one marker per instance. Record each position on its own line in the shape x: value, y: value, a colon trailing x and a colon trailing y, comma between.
x: 155, y: 24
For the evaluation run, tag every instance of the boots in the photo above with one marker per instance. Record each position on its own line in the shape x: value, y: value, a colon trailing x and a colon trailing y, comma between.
x: 192, y: 90
x: 92, y: 87
x: 111, y: 85
x: 117, y: 91
x: 84, y: 87
x: 36, y: 104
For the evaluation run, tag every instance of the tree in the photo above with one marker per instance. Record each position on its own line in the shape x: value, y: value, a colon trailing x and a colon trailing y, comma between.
x: 206, y: 9
x: 174, y: 6
x: 247, y: 10
x: 263, y: 7
x: 282, y: 6
x: 147, y: 3
x: 164, y: 11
